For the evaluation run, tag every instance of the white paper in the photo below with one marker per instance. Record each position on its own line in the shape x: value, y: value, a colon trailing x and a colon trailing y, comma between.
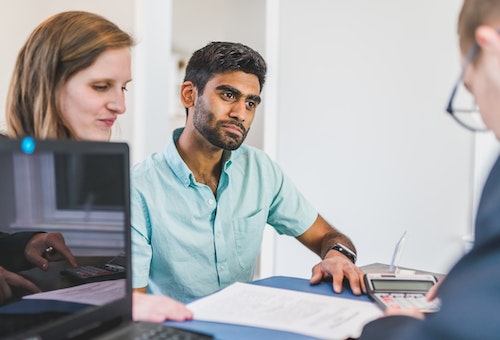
x: 321, y: 316
x: 96, y: 293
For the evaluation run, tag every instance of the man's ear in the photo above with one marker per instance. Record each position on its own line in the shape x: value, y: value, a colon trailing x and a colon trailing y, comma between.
x: 188, y: 94
x: 488, y: 39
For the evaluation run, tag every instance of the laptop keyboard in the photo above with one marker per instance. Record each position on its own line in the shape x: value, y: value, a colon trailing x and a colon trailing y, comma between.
x: 149, y: 330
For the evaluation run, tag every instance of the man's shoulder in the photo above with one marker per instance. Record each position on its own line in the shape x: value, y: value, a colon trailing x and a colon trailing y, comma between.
x: 249, y: 157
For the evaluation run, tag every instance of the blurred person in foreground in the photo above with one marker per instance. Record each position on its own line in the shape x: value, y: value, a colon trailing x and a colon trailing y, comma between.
x: 470, y: 294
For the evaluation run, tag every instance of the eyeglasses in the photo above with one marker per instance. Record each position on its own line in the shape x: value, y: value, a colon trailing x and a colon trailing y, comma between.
x: 462, y: 105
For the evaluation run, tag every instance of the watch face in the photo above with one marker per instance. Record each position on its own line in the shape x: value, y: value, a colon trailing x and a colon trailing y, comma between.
x: 346, y: 251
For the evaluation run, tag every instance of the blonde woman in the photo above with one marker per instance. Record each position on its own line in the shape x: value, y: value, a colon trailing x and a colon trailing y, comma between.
x: 69, y: 82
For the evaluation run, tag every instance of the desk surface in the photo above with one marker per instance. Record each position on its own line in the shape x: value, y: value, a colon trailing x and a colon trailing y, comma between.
x: 228, y: 331
x: 231, y: 331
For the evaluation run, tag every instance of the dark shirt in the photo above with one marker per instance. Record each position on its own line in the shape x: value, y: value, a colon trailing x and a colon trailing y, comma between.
x: 12, y: 250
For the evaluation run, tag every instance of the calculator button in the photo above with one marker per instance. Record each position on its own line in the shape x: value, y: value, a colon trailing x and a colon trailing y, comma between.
x: 410, y: 300
x: 387, y: 298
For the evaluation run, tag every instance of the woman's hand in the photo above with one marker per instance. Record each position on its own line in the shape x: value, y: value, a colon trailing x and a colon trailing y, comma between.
x: 8, y: 280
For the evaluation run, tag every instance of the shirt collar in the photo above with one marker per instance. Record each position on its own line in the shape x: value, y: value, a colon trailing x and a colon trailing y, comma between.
x: 175, y: 161
x: 180, y: 169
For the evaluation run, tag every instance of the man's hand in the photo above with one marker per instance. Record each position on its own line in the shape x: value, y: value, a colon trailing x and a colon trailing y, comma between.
x: 9, y: 279
x: 337, y: 266
x: 45, y: 247
x: 157, y: 308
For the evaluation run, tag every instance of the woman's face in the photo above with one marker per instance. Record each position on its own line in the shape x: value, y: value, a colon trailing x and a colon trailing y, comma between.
x: 91, y: 100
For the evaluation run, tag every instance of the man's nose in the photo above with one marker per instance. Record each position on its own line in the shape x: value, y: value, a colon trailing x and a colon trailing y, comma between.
x: 239, y: 110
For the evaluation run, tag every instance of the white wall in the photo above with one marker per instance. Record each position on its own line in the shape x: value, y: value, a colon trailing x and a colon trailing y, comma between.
x: 362, y: 128
x: 152, y: 75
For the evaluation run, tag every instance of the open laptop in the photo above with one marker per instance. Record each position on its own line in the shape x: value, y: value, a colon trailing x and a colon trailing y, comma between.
x: 81, y: 190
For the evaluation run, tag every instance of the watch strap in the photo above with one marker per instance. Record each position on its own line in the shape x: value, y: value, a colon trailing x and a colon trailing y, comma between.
x: 345, y: 251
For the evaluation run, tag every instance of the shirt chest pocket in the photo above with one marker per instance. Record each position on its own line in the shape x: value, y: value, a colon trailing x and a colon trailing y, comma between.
x: 248, y: 233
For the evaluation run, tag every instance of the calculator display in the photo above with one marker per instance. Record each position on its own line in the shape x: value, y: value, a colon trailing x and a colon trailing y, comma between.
x: 402, y: 285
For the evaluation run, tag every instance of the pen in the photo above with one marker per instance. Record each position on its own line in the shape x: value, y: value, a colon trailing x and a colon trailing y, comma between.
x: 398, y: 250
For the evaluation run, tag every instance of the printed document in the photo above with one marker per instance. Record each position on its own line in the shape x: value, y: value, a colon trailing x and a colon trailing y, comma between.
x: 321, y: 316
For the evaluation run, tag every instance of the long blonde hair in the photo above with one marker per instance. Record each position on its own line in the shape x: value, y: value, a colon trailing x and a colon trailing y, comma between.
x: 59, y: 47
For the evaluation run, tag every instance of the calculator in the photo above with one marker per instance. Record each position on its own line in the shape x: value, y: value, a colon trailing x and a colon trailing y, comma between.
x: 113, y: 269
x: 402, y: 290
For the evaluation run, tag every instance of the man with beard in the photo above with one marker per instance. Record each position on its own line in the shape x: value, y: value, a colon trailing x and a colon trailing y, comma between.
x: 199, y: 208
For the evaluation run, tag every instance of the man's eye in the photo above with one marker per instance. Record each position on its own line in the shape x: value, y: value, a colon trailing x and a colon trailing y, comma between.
x: 252, y: 105
x: 228, y: 95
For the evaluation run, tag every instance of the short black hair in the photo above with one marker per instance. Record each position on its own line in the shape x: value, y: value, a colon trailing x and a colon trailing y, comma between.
x: 220, y: 57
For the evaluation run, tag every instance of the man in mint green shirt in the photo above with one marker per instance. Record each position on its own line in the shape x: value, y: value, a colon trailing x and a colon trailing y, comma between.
x: 199, y: 208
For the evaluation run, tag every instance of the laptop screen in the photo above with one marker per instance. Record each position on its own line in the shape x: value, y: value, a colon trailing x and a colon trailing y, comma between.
x: 81, y: 191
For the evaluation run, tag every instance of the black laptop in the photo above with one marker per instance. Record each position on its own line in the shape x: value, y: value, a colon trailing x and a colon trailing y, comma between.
x: 81, y: 190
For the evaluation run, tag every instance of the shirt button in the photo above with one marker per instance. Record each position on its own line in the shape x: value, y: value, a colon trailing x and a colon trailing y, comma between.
x: 210, y: 201
x: 222, y: 267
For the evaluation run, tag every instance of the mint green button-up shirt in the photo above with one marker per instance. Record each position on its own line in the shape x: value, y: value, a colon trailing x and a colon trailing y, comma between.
x: 186, y: 242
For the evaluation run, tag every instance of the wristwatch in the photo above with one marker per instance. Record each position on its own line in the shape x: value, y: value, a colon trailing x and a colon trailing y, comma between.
x: 344, y: 250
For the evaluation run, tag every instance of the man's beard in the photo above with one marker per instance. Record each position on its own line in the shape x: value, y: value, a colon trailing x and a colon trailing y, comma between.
x: 213, y: 131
